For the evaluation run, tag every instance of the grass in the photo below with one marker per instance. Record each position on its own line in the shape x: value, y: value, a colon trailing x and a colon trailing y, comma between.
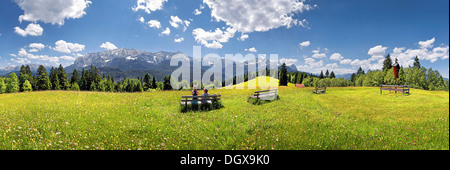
x: 355, y: 118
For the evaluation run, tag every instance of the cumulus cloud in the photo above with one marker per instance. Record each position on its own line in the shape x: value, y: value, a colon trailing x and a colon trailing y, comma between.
x: 377, y: 53
x: 346, y: 61
x: 108, y: 46
x: 66, y: 47
x: 253, y: 49
x: 260, y: 16
x: 37, y: 46
x: 149, y: 5
x: 305, y: 44
x: 288, y: 61
x: 336, y: 57
x: 154, y: 24
x: 427, y: 43
x: 32, y: 30
x: 212, y: 39
x: 165, y: 32
x: 52, y: 11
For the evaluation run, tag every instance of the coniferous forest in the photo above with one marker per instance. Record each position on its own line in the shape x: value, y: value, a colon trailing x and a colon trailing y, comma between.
x: 90, y: 79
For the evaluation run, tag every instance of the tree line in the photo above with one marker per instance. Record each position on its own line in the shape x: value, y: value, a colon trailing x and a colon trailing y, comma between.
x: 416, y: 76
x: 87, y: 80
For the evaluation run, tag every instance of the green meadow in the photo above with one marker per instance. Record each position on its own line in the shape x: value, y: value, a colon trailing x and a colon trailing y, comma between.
x: 350, y: 118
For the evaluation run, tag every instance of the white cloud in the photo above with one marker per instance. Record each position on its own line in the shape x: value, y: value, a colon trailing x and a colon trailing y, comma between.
x: 336, y: 57
x: 346, y: 61
x: 32, y: 30
x: 175, y: 22
x: 260, y: 16
x: 253, y: 49
x: 108, y: 46
x: 288, y: 61
x: 141, y: 19
x: 149, y: 5
x: 427, y: 43
x: 305, y: 44
x: 243, y: 37
x: 178, y: 40
x: 52, y: 11
x: 197, y: 12
x: 318, y: 54
x: 154, y: 24
x: 66, y: 47
x: 37, y: 46
x: 377, y: 53
x: 20, y: 60
x: 165, y: 32
x: 68, y: 58
x: 213, y: 39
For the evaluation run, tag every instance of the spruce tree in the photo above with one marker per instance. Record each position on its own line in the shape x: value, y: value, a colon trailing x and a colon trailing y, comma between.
x: 327, y: 74
x: 154, y: 83
x: 283, y: 75
x: 43, y: 81
x: 321, y: 76
x: 75, y: 77
x: 63, y: 78
x: 332, y: 76
x: 13, y: 84
x: 416, y: 62
x: 147, y: 83
x: 387, y: 64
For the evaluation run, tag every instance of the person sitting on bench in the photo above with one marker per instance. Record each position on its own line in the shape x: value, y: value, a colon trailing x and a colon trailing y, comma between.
x: 194, y: 93
x: 205, y: 96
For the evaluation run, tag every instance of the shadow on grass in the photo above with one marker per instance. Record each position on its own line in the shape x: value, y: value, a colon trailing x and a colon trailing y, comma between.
x: 201, y: 107
x: 256, y: 101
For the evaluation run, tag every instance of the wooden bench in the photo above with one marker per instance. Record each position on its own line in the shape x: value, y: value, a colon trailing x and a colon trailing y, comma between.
x: 320, y: 90
x: 187, y: 100
x: 266, y: 94
x: 402, y: 88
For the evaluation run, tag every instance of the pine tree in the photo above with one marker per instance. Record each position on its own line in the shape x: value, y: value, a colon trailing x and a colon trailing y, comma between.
x: 154, y: 83
x: 147, y: 83
x: 75, y: 77
x: 416, y: 62
x: 167, y: 85
x: 332, y: 76
x: 54, y: 79
x: 27, y: 86
x: 321, y: 76
x: 387, y: 64
x: 283, y: 76
x: 63, y: 78
x: 43, y: 81
x: 327, y: 74
x: 360, y: 71
x: 353, y: 78
x: 13, y: 84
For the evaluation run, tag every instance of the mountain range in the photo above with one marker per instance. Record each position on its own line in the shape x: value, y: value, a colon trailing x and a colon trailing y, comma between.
x: 122, y: 63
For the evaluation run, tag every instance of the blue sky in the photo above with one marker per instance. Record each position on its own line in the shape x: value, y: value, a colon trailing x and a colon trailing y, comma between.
x: 315, y: 35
